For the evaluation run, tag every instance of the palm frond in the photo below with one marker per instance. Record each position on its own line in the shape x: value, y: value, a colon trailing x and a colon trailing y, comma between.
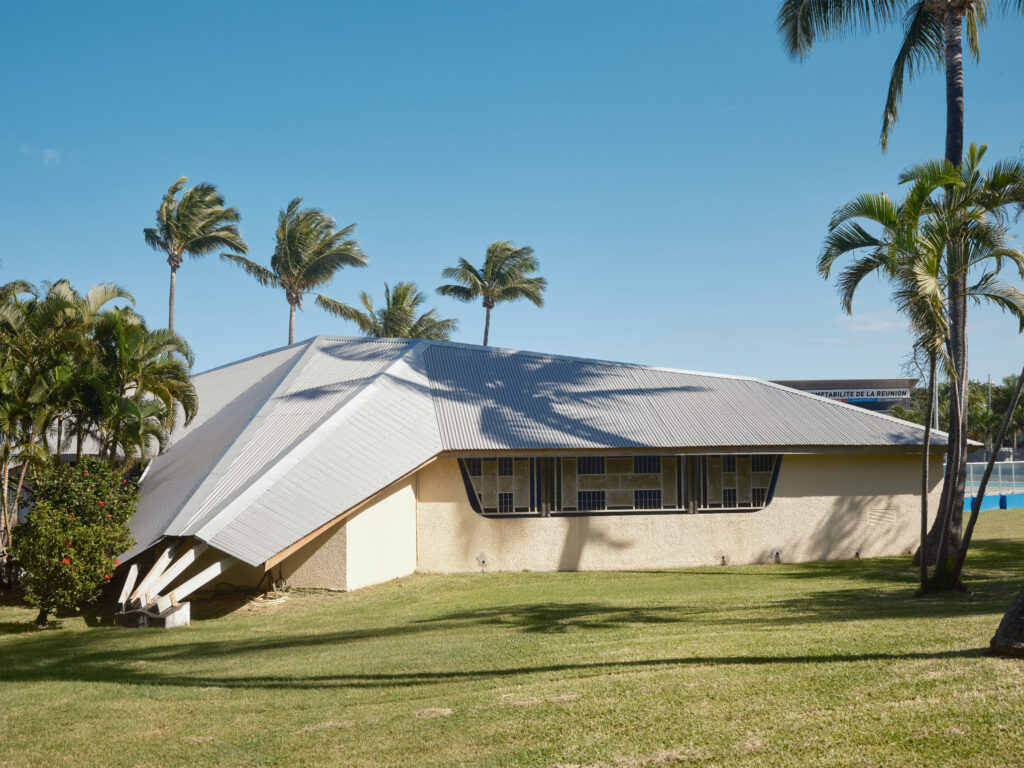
x: 801, y: 22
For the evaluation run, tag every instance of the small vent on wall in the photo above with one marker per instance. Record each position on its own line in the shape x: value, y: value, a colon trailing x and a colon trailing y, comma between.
x: 882, y: 516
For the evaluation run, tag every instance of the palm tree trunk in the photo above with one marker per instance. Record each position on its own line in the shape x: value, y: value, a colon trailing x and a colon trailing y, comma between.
x: 78, y: 442
x: 21, y: 481
x: 938, y: 580
x: 924, y: 471
x: 955, y: 475
x: 170, y: 300
x: 954, y: 23
x: 1009, y: 637
x: 3, y: 502
x: 980, y: 494
x: 291, y: 324
x: 487, y: 323
x: 60, y: 437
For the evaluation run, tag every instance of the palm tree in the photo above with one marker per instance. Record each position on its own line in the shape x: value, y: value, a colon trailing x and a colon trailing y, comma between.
x: 398, y: 317
x: 503, y: 277
x: 145, y: 383
x: 932, y: 38
x: 911, y: 252
x: 198, y: 224
x: 309, y: 252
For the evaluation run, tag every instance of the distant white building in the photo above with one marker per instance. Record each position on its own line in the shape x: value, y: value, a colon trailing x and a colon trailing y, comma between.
x: 341, y: 463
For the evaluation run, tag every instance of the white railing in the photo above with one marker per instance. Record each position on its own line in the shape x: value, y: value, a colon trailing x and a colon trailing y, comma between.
x: 1007, y: 477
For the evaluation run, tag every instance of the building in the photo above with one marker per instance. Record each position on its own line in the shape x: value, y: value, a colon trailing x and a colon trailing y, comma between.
x: 872, y: 394
x: 342, y: 463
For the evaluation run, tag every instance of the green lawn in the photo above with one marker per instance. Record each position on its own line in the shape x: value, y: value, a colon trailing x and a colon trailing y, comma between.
x: 781, y: 665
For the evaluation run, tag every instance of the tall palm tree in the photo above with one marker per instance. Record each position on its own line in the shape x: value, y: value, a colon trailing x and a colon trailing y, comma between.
x: 197, y: 224
x: 504, y: 276
x: 399, y: 317
x: 309, y: 252
x: 932, y: 38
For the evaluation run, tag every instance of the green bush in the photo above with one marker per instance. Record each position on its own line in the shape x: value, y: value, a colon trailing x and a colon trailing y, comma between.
x: 77, y: 526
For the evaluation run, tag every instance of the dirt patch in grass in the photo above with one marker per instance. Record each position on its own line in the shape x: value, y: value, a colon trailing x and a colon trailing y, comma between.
x: 435, y: 712
x: 198, y: 739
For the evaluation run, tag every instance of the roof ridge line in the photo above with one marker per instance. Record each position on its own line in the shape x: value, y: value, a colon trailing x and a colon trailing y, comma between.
x: 253, y: 357
x: 286, y: 460
x: 258, y: 410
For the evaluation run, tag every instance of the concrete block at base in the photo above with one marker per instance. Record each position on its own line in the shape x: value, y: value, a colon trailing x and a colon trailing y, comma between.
x: 176, y: 616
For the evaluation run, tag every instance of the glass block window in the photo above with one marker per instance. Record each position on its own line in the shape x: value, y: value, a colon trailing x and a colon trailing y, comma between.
x: 647, y: 465
x: 505, y: 503
x: 474, y: 467
x: 505, y: 467
x: 590, y: 465
x: 590, y: 501
x: 728, y: 463
x: 759, y: 496
x: 728, y: 497
x: 646, y: 499
x: 761, y: 462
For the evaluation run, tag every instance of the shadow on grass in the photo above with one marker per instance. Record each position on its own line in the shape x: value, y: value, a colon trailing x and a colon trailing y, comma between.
x: 555, y: 618
x: 128, y: 667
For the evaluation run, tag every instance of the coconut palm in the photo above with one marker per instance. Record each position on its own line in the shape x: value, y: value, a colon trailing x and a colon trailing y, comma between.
x: 309, y: 252
x: 399, y: 317
x: 504, y: 276
x: 197, y: 224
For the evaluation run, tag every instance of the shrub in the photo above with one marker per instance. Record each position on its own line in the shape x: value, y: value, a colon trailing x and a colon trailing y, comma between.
x: 74, y: 532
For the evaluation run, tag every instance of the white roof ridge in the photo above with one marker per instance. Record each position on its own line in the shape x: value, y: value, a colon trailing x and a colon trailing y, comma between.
x: 284, y: 461
x: 293, y: 368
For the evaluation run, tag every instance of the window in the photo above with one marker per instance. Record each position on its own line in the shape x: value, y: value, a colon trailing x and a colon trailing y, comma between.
x: 759, y: 496
x: 646, y: 499
x: 728, y: 497
x: 505, y: 503
x: 505, y: 467
x: 590, y: 465
x: 647, y: 465
x: 728, y: 463
x: 474, y: 467
x: 590, y: 501
x: 762, y: 463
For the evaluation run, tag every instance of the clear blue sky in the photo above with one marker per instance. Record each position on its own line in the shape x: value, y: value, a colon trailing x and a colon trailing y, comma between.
x: 673, y: 170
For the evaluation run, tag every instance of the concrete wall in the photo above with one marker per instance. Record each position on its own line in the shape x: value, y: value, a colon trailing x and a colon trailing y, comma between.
x: 824, y: 507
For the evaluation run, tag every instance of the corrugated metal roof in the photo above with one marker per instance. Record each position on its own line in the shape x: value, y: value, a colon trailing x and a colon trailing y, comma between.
x: 290, y: 440
x: 228, y: 398
x: 492, y: 399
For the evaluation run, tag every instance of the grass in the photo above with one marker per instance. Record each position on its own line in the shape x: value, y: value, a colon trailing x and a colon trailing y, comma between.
x: 785, y: 665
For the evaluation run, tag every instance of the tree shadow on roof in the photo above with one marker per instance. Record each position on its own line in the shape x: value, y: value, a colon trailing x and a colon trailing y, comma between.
x: 522, y: 401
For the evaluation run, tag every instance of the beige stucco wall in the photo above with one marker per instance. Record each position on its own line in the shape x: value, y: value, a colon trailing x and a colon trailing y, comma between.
x: 381, y: 539
x: 825, y: 506
x: 319, y: 563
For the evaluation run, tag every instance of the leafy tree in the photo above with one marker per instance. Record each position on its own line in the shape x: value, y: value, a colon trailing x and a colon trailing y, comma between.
x: 504, y: 276
x: 77, y: 526
x: 309, y: 251
x: 197, y: 224
x: 400, y: 317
